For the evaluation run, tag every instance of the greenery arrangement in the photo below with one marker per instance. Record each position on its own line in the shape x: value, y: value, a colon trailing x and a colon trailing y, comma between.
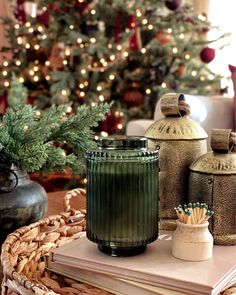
x: 52, y: 140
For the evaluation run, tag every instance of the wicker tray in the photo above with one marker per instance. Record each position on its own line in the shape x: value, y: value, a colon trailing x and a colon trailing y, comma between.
x: 23, y: 255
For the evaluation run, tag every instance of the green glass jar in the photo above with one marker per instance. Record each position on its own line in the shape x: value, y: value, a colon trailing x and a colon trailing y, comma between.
x: 122, y: 195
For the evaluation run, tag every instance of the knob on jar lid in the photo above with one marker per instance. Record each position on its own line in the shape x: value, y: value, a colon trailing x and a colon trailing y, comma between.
x: 223, y: 140
x: 174, y: 105
x: 123, y: 142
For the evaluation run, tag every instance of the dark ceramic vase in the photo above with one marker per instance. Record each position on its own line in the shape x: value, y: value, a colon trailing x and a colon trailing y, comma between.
x: 22, y: 201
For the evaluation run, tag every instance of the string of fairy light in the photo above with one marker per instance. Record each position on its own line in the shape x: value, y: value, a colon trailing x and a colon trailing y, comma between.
x: 116, y: 53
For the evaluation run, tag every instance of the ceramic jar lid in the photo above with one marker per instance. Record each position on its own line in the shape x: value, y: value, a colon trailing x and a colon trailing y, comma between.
x: 176, y: 125
x: 222, y: 160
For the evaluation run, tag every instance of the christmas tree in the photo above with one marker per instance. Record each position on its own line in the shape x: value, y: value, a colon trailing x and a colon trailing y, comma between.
x: 129, y: 52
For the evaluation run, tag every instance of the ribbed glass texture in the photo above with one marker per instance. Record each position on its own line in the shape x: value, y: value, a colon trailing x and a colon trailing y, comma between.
x: 122, y: 198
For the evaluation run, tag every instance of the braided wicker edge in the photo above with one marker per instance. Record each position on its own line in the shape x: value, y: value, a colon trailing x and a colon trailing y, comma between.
x: 23, y: 252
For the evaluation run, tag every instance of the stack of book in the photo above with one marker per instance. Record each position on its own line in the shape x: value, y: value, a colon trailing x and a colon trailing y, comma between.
x: 155, y: 271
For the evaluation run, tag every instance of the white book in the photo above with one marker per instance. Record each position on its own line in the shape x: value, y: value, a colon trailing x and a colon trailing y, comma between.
x: 156, y: 266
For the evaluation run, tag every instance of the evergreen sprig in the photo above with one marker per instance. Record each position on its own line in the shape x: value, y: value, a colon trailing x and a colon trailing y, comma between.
x: 52, y: 141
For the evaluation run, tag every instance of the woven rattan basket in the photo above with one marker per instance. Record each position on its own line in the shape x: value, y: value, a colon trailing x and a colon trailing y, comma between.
x: 23, y: 255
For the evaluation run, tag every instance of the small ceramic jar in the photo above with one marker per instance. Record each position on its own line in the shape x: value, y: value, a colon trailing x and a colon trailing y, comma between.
x: 192, y: 242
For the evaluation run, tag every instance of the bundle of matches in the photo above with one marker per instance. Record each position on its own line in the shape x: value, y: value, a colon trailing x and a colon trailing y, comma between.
x: 196, y: 213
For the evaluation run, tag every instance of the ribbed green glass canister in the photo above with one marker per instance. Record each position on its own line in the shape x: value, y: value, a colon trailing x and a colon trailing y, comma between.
x: 122, y: 195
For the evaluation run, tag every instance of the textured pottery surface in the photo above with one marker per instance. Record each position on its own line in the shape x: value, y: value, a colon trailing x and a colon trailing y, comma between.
x: 213, y: 181
x: 192, y: 242
x: 180, y: 141
x: 20, y: 205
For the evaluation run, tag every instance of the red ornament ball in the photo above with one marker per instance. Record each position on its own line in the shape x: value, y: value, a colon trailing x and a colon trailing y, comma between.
x: 110, y: 125
x: 207, y: 54
x: 173, y: 4
x: 133, y: 98
x: 163, y: 37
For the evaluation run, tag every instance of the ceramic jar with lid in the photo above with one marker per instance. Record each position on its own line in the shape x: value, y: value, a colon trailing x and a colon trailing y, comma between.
x: 180, y: 141
x: 213, y: 181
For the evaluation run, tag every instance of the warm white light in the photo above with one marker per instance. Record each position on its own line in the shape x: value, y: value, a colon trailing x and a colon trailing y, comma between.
x: 144, y: 21
x: 163, y: 85
x: 143, y: 50
x: 38, y: 113
x: 40, y: 28
x: 36, y: 46
x: 22, y: 80
x: 79, y: 40
x: 148, y: 91
x: 17, y: 26
x: 4, y: 73
x: 65, y: 62
x: 69, y: 109
x: 28, y: 24
x: 64, y: 92
x: 67, y: 52
x: 35, y: 68
x: 111, y: 77
x: 194, y: 73
x: 181, y: 36
x: 44, y: 8
x: 83, y: 71
x: 31, y: 72
x: 86, y: 83
x: 138, y: 13
x: 6, y: 83
x: 93, y: 104
x: 109, y: 46
x: 81, y: 85
x: 92, y: 40
x: 47, y: 77
x: 19, y: 40
x: 169, y: 30
x: 44, y: 36
x: 26, y: 128
x: 125, y: 54
x: 187, y: 56
x: 93, y: 11
x: 5, y: 63
x: 63, y: 153
x: 175, y: 50
x: 30, y: 30
x: 18, y: 62
x: 101, y: 97
x: 99, y: 88
x: 27, y: 45
x: 202, y: 78
x: 120, y: 126
x: 150, y: 27
x: 82, y: 94
x: 47, y: 63
x: 112, y: 57
x: 202, y: 17
x: 36, y: 78
x: 104, y: 134
x: 71, y: 27
x: 119, y: 47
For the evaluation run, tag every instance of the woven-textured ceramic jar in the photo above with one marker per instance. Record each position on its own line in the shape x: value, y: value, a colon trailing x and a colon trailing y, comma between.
x: 213, y: 181
x: 180, y: 141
